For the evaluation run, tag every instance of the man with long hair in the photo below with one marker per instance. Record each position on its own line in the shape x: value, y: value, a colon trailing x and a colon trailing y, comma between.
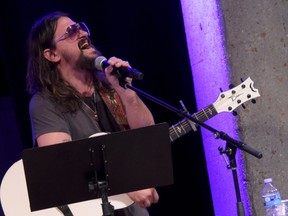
x: 71, y: 100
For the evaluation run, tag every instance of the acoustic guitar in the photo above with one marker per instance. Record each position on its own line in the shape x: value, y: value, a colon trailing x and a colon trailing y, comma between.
x: 14, y: 195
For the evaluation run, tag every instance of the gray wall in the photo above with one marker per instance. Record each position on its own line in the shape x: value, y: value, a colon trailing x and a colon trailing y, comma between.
x: 256, y: 42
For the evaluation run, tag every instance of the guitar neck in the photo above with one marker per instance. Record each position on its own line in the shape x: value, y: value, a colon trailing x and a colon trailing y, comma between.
x: 186, y: 125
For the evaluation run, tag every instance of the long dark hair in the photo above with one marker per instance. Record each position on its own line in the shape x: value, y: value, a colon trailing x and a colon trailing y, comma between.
x: 42, y: 75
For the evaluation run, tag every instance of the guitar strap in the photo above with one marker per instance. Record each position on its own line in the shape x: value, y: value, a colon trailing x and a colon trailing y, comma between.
x: 65, y: 210
x: 115, y: 106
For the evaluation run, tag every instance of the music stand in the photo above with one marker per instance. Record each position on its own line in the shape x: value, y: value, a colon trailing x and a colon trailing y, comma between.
x: 127, y: 161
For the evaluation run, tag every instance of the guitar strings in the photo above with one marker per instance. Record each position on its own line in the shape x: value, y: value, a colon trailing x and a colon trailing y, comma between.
x: 185, y: 123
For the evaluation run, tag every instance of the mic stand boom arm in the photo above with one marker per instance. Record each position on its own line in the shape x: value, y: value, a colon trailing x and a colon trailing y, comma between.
x: 183, y: 113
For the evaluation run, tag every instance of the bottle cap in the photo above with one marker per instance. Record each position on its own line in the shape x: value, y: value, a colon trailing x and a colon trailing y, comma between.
x: 267, y: 180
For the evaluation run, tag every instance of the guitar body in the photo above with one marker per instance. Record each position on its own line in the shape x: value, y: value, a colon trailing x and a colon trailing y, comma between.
x: 15, y: 199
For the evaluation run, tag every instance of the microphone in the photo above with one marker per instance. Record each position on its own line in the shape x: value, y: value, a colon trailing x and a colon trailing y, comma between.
x: 101, y: 63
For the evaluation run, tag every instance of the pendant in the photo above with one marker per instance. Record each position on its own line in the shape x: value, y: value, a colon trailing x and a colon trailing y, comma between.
x: 96, y: 117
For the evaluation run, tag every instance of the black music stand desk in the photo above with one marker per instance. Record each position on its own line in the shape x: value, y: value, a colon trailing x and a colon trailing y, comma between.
x: 129, y: 160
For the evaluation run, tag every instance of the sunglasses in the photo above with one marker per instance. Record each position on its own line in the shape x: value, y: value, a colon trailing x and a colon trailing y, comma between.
x: 73, y: 31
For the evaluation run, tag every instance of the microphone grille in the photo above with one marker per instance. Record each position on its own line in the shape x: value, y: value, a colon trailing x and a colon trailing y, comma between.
x: 99, y: 62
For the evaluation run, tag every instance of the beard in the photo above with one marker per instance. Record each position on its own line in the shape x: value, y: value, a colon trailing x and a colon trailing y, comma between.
x: 87, y: 63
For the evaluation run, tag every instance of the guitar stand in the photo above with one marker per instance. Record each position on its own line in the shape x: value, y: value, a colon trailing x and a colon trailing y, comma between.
x: 230, y: 151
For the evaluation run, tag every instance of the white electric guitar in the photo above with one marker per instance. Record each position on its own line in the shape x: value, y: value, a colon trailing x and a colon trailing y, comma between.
x: 14, y: 194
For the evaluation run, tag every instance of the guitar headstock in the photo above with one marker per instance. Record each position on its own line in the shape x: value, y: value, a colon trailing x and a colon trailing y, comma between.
x: 229, y: 100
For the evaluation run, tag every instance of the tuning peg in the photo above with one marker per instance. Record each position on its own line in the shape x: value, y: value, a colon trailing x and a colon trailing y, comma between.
x: 244, y: 107
x: 222, y: 95
x: 253, y: 101
x: 231, y: 86
x: 234, y: 113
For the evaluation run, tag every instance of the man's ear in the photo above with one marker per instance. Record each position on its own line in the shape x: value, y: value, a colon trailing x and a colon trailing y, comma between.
x: 51, y: 56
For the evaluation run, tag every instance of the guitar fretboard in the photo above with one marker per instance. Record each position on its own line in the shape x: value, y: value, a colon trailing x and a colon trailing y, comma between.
x: 186, y: 125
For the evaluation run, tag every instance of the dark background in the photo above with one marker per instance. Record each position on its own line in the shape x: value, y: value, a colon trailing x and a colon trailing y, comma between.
x: 151, y: 36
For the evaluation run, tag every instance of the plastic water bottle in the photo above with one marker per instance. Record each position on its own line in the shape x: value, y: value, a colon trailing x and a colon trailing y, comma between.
x: 271, y: 198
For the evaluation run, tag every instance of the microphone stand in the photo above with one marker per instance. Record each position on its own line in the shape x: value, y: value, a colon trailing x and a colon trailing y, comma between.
x: 231, y: 144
